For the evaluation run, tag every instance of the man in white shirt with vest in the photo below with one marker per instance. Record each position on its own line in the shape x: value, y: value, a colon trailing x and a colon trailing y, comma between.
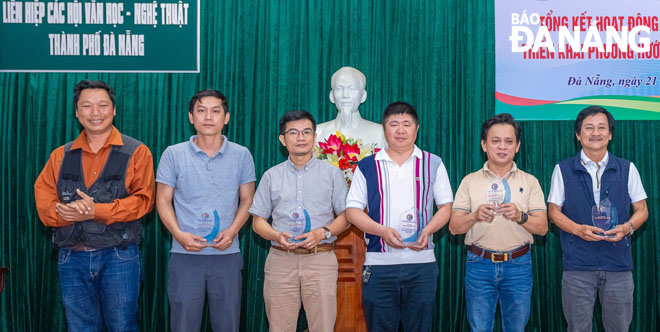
x: 398, y: 186
x: 596, y: 261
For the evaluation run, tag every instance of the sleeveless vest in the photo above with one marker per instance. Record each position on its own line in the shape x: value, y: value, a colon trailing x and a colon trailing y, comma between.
x: 109, y: 186
x: 378, y: 194
x: 581, y: 255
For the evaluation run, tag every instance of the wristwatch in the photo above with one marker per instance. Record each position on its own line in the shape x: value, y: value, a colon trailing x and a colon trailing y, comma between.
x: 327, y: 232
x: 632, y: 230
x: 523, y: 218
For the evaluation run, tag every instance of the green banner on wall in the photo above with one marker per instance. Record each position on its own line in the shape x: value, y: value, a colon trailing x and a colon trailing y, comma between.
x: 99, y: 36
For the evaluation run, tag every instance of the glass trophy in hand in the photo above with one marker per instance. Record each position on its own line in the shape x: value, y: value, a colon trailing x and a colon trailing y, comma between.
x: 409, y: 227
x: 496, y: 193
x: 208, y: 228
x: 299, y: 223
x: 604, y: 216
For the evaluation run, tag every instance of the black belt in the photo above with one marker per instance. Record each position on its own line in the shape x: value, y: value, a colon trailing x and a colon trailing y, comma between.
x: 82, y: 247
x: 498, y: 256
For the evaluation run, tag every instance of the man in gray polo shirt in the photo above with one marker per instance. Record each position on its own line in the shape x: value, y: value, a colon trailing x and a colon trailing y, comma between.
x: 211, y: 183
x: 301, y: 195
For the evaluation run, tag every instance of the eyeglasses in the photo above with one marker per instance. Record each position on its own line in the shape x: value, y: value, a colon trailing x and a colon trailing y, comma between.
x: 294, y: 132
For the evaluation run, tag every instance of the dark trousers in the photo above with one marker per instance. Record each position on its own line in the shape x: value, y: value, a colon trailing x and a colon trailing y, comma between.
x: 192, y: 278
x: 615, y: 291
x: 402, y: 293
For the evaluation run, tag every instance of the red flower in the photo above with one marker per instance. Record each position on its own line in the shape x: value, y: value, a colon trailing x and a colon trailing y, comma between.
x: 331, y: 145
x: 344, y: 163
x: 350, y: 151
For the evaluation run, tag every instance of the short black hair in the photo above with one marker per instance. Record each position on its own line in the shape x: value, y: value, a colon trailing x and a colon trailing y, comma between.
x: 296, y: 115
x: 91, y: 84
x: 397, y: 108
x: 208, y: 93
x: 591, y: 110
x: 502, y: 118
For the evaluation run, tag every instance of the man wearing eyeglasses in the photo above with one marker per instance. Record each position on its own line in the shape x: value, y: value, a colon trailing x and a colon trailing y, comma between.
x: 300, y: 195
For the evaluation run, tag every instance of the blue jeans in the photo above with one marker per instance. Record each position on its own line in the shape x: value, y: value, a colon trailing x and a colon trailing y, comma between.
x: 100, y: 288
x: 509, y: 283
x: 400, y: 293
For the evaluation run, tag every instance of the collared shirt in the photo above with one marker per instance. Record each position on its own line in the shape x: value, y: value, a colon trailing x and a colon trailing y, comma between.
x: 317, y: 187
x: 501, y: 234
x: 139, y: 182
x: 635, y: 187
x: 402, y: 190
x: 205, y: 188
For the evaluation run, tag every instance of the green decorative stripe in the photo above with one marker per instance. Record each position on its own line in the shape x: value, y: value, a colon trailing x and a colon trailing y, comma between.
x: 639, y: 105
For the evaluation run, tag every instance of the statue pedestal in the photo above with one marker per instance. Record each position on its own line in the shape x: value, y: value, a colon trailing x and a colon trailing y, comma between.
x: 348, y: 93
x: 350, y: 250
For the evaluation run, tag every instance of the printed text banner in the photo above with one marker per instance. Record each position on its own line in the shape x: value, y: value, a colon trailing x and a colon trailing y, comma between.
x: 99, y: 36
x: 554, y: 58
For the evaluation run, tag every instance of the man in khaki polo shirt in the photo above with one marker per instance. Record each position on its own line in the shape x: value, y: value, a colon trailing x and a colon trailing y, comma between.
x: 499, y: 207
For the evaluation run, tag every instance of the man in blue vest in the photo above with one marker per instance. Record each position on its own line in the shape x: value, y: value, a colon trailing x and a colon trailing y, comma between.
x: 398, y: 187
x: 93, y: 192
x: 596, y: 261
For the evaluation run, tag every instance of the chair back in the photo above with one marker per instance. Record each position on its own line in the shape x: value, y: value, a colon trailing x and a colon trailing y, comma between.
x: 3, y: 270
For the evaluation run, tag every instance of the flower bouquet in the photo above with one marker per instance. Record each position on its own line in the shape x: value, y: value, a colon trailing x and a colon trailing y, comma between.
x: 344, y: 153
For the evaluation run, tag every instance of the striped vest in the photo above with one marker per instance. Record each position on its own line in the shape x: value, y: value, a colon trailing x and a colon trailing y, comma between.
x: 379, y: 195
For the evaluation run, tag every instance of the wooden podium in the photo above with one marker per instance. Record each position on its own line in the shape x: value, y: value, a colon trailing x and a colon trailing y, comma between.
x: 350, y: 249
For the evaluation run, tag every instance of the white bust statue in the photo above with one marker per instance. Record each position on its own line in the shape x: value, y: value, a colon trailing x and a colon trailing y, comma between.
x: 348, y: 92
